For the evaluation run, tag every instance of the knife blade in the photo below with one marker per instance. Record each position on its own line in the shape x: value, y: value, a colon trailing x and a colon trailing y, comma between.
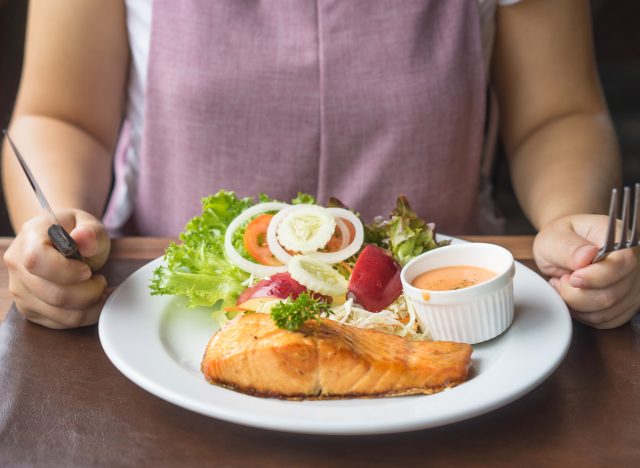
x: 59, y: 237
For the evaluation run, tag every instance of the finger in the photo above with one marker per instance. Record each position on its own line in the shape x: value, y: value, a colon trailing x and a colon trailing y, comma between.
x: 37, y: 311
x: 46, y: 262
x: 559, y: 250
x: 622, y: 309
x: 32, y: 254
x: 593, y: 300
x: 58, y: 318
x: 606, y: 273
x: 92, y: 239
x: 606, y: 319
x: 72, y: 296
x: 553, y: 271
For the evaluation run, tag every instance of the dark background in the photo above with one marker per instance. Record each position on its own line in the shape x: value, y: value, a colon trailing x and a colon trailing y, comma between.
x: 617, y: 44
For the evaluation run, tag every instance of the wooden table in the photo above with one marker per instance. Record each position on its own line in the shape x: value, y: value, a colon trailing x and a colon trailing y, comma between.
x: 62, y: 403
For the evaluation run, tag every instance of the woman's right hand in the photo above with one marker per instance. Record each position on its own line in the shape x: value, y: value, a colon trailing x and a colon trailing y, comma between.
x: 50, y: 289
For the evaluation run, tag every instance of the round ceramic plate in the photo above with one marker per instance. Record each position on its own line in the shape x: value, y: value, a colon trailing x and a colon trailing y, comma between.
x: 158, y: 343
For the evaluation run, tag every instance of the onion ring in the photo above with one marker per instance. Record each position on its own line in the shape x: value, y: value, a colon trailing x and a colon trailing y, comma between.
x: 344, y: 232
x: 251, y: 267
x: 329, y: 257
x: 354, y: 245
x: 306, y: 228
x: 272, y: 240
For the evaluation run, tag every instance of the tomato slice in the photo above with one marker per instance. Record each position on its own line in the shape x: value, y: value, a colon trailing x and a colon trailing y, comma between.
x: 336, y: 240
x: 255, y: 240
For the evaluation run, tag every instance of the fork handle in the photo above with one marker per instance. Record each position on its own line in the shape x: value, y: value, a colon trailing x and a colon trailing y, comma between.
x: 62, y: 241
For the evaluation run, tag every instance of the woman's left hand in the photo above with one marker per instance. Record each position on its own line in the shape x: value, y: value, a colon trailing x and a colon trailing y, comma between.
x: 604, y: 294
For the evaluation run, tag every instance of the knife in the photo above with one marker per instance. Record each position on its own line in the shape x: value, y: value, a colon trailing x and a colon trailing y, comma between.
x: 60, y: 238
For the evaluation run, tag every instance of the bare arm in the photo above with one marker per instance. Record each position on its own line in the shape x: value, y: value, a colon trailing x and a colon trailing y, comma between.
x: 563, y: 154
x: 556, y: 129
x: 69, y: 105
x: 66, y: 120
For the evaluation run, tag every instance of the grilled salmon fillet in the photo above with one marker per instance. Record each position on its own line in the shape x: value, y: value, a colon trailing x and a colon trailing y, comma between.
x: 326, y: 360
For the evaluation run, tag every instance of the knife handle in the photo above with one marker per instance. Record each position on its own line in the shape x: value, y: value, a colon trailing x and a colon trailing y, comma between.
x: 62, y: 241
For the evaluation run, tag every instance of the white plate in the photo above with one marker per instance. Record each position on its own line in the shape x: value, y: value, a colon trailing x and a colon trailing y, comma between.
x: 158, y: 344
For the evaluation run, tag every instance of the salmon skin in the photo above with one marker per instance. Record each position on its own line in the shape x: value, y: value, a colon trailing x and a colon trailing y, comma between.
x: 328, y: 360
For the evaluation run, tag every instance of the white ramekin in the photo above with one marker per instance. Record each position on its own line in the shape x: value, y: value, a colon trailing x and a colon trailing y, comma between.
x: 469, y: 315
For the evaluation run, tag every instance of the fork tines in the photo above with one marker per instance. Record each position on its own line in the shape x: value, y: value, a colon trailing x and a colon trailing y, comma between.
x: 626, y: 240
x: 634, y: 240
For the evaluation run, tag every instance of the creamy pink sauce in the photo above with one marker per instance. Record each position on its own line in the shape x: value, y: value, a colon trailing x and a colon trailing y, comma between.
x: 453, y: 277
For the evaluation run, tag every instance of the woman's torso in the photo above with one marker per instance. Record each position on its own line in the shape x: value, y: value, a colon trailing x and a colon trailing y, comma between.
x: 128, y: 168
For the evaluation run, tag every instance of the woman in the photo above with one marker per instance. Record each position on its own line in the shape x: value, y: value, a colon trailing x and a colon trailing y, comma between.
x: 359, y: 100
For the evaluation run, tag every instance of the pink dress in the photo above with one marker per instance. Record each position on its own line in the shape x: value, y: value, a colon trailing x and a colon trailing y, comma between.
x: 361, y: 100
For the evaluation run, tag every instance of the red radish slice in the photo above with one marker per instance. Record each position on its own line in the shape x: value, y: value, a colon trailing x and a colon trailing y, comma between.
x: 375, y: 279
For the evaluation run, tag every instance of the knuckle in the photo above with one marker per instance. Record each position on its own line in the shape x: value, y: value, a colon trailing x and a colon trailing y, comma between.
x: 9, y: 259
x: 14, y: 288
x: 30, y: 259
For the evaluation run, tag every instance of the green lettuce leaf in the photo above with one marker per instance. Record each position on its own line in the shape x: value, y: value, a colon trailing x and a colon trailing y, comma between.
x: 303, y: 199
x: 197, y: 268
x: 404, y: 233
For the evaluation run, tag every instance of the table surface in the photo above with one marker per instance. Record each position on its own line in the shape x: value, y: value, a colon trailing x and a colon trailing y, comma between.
x: 64, y: 404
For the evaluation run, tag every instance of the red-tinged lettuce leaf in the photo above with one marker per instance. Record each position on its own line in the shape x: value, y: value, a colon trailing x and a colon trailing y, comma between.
x: 404, y: 234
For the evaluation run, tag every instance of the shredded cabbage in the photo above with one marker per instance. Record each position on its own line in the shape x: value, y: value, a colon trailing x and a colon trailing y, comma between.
x: 399, y: 318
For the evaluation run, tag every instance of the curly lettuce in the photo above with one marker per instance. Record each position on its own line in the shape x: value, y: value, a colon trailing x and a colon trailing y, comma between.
x: 303, y: 199
x: 404, y: 233
x: 197, y: 268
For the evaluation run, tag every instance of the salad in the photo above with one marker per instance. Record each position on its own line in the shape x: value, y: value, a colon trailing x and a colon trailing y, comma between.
x: 297, y: 261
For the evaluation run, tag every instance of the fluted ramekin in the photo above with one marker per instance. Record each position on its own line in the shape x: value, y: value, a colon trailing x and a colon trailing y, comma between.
x: 469, y: 315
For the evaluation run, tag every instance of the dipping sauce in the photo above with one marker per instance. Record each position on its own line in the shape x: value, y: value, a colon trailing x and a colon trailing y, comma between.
x: 453, y: 277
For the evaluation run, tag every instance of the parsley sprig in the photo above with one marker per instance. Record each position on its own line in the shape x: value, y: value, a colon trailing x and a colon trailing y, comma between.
x: 291, y: 314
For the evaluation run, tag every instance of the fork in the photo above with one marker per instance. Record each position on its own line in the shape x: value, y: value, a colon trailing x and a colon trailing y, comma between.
x: 626, y: 240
